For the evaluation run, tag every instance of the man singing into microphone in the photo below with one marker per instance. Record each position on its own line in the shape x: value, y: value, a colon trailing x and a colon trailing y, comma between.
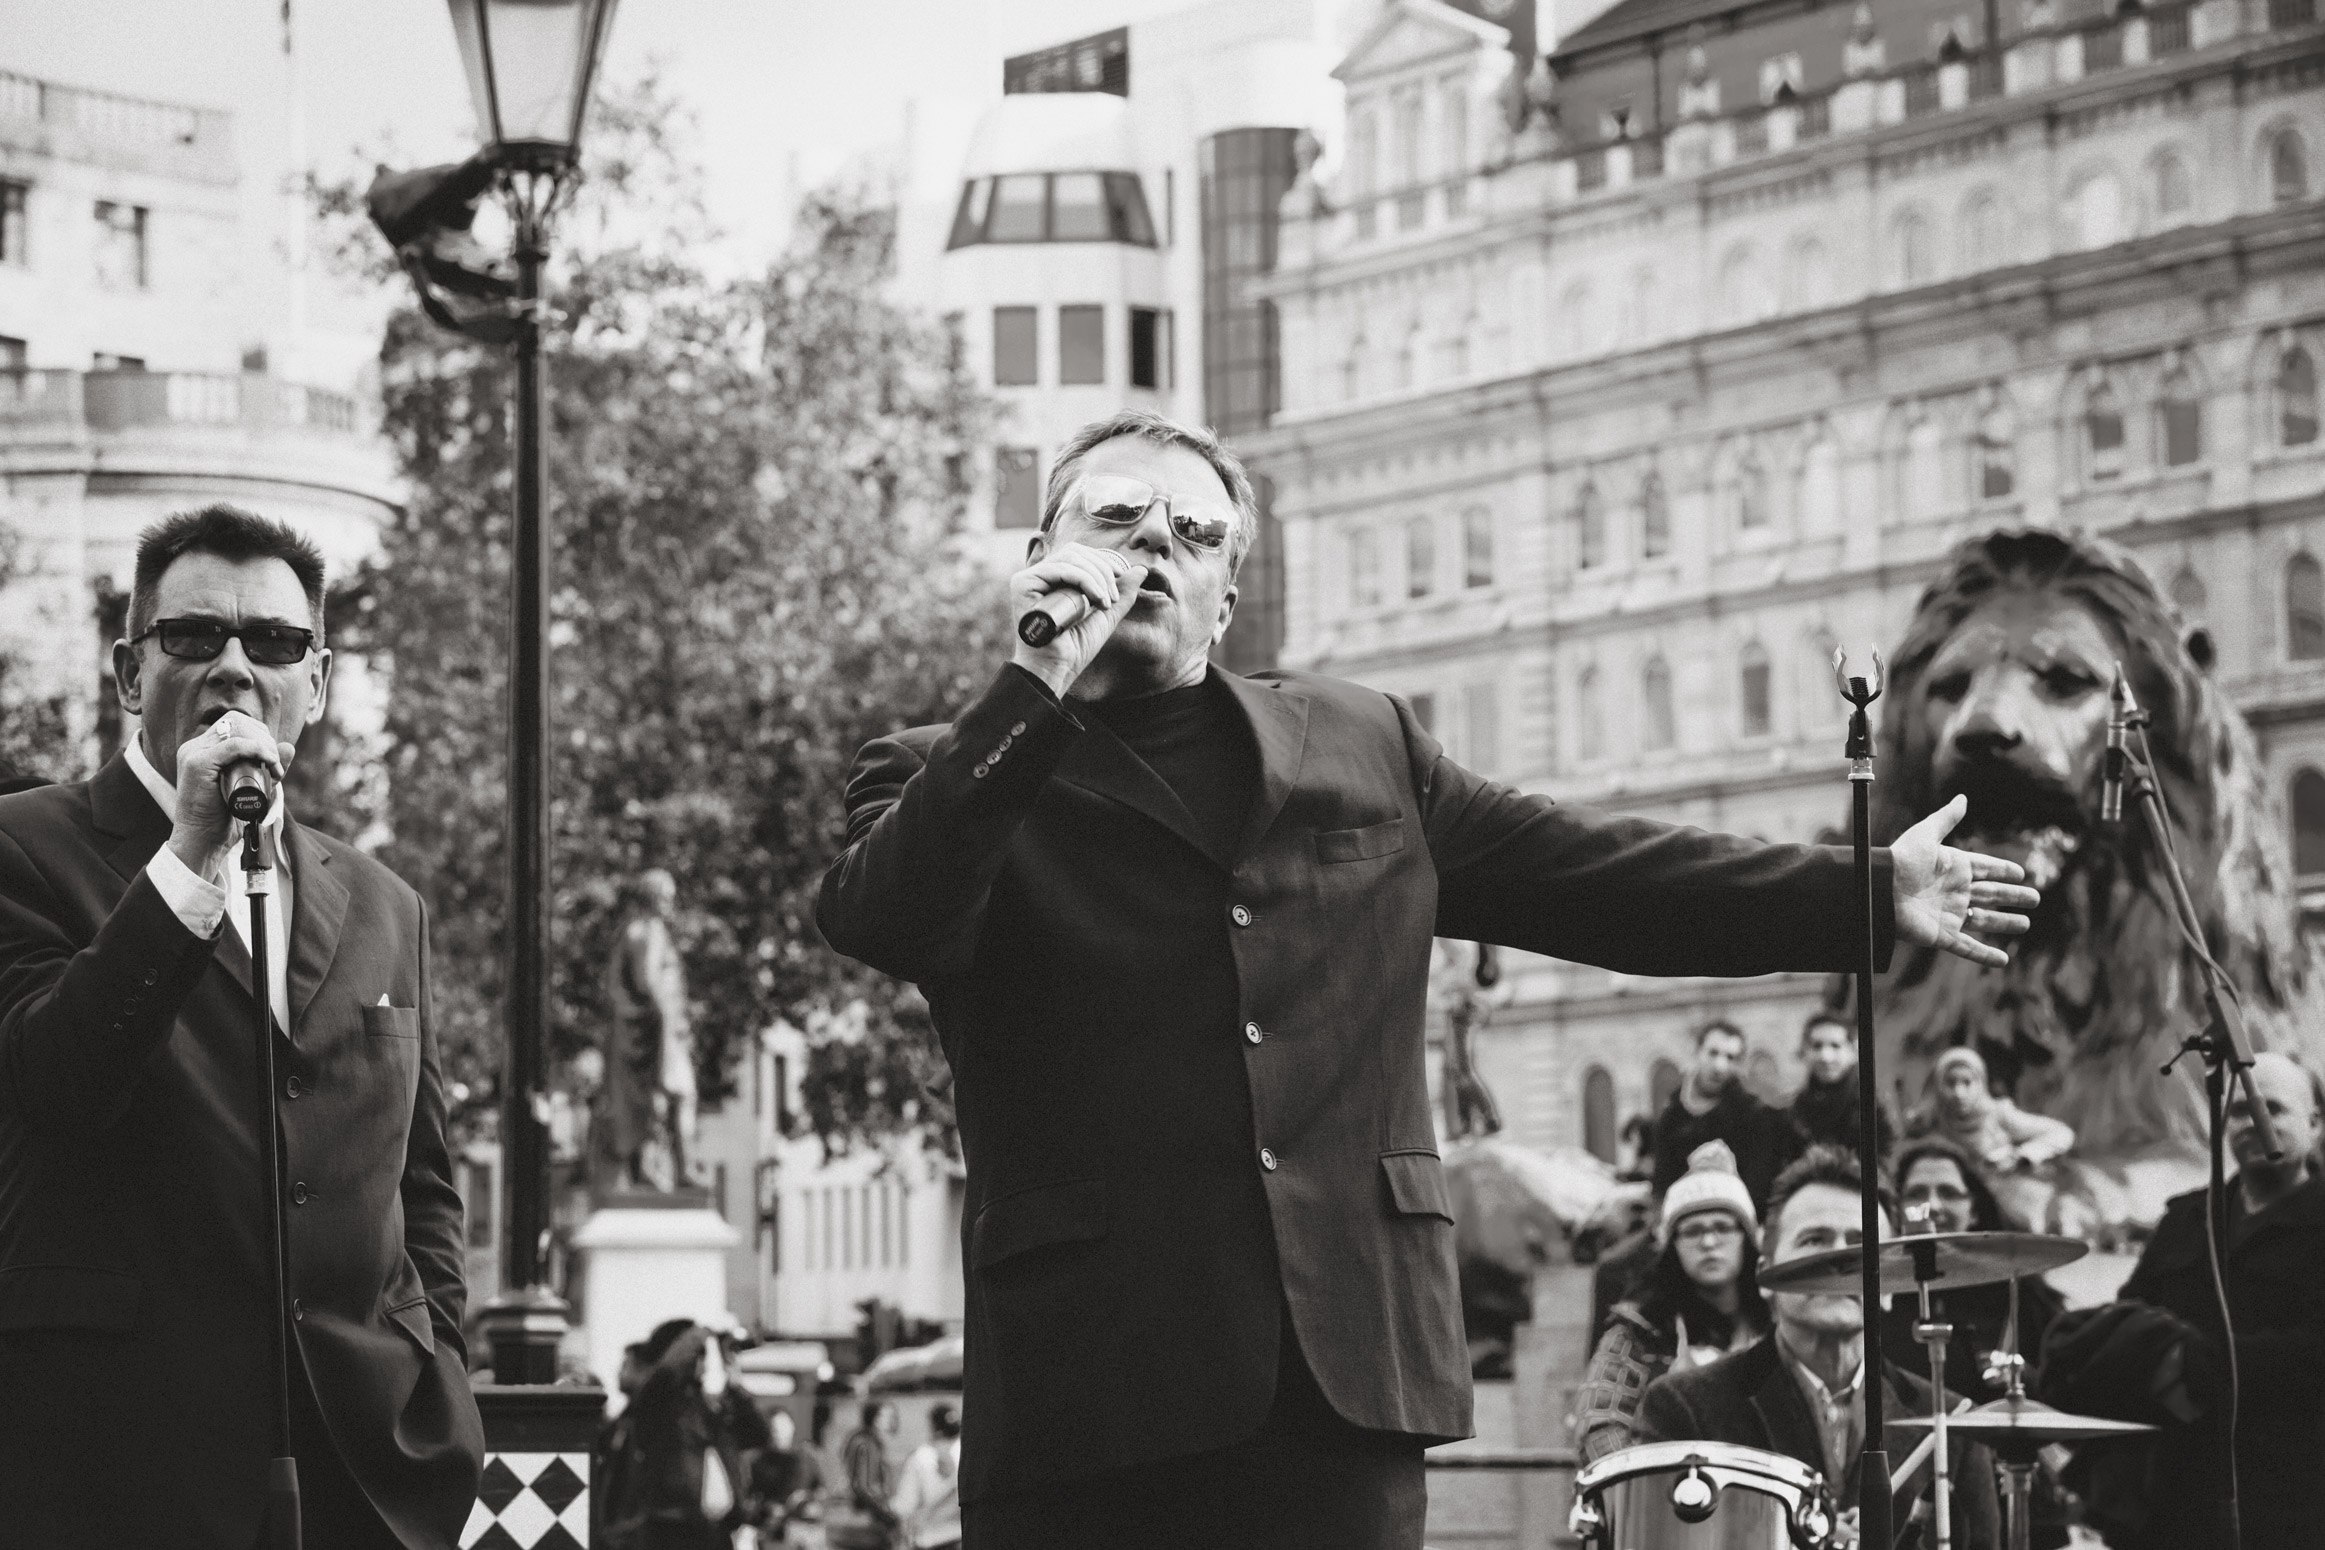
x: 1174, y: 928
x: 137, y: 1300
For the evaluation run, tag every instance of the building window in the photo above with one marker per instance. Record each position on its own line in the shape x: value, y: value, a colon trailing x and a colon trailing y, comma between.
x: 1053, y: 207
x: 1751, y: 494
x: 1455, y: 124
x: 1150, y: 348
x: 2095, y: 211
x: 1016, y: 487
x: 1820, y: 486
x: 1984, y: 238
x: 2309, y: 824
x: 2103, y: 432
x: 1590, y: 733
x: 1481, y: 706
x: 1082, y: 346
x: 1997, y: 452
x: 1758, y: 713
x: 1477, y: 547
x: 1590, y: 530
x: 1245, y: 175
x: 2296, y: 398
x: 12, y: 197
x: 1663, y: 1080
x: 1420, y: 557
x: 1925, y: 479
x: 2288, y: 167
x: 2304, y: 609
x: 12, y: 353
x: 1598, y: 1114
x: 1364, y: 568
x: 1910, y: 239
x: 2182, y: 415
x: 1654, y: 518
x: 1015, y: 357
x: 1661, y: 731
x: 120, y: 246
x: 2173, y: 196
x: 1363, y: 153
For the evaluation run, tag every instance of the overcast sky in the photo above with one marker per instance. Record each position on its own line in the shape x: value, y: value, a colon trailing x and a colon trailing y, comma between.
x: 778, y: 84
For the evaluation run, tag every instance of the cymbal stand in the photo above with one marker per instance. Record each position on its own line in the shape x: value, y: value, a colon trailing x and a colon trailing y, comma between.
x: 2017, y: 1454
x: 1873, y: 1515
x: 1934, y: 1336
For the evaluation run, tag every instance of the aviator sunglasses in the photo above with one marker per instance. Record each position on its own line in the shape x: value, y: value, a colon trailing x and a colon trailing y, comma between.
x: 199, y: 640
x: 1111, y: 500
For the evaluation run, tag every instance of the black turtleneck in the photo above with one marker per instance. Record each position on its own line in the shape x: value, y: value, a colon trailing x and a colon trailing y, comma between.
x: 1195, y: 739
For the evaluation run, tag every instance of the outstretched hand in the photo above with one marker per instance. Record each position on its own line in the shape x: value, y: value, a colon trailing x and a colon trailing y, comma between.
x: 1944, y: 894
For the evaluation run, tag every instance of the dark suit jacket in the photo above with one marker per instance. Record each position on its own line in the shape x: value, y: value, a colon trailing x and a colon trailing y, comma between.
x: 1752, y: 1400
x: 1191, y: 1086
x: 135, y: 1354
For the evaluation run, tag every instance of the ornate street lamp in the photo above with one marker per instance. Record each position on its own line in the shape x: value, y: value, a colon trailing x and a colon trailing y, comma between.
x: 530, y: 64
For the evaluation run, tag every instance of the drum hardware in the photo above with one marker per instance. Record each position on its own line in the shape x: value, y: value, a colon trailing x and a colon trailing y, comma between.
x: 1719, y: 1497
x: 1694, y: 1498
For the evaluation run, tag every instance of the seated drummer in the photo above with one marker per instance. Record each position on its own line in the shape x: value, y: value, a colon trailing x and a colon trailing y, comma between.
x: 1799, y: 1392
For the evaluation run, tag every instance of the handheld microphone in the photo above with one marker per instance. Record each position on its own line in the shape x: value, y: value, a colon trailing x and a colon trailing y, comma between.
x: 244, y: 786
x: 1062, y: 609
x: 2120, y: 716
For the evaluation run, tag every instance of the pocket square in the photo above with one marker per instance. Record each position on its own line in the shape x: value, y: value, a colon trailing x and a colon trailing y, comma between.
x: 383, y: 1000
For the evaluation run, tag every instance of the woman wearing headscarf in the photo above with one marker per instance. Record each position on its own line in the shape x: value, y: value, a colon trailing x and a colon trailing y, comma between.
x: 1699, y: 1302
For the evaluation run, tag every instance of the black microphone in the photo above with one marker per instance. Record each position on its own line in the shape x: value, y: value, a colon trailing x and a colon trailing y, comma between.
x: 1061, y: 609
x: 2120, y: 714
x: 244, y: 786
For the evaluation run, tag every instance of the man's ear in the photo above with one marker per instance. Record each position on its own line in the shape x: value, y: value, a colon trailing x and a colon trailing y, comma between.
x: 1036, y: 548
x: 1226, y: 615
x: 127, y: 669
x: 318, y: 684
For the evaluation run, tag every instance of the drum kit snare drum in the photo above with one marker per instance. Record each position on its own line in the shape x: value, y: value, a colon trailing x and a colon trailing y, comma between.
x: 1718, y: 1496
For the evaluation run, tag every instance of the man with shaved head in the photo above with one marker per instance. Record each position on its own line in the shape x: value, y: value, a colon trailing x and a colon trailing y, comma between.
x: 2171, y: 1345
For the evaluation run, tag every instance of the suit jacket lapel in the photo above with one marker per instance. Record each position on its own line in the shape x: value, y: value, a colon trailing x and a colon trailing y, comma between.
x: 124, y: 811
x: 1101, y: 763
x: 1279, y: 725
x: 318, y: 906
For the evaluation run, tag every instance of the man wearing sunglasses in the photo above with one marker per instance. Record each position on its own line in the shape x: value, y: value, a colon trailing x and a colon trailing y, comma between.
x: 1174, y: 927
x: 137, y: 1399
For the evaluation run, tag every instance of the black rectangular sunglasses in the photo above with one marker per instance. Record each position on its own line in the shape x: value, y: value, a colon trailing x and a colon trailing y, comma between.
x: 199, y: 640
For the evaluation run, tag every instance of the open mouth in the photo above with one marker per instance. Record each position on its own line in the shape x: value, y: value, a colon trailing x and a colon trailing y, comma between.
x: 1156, y: 584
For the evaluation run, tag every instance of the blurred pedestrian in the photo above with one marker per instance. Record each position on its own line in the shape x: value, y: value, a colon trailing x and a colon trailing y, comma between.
x: 1826, y: 1110
x: 1999, y: 1136
x: 1701, y: 1301
x: 928, y: 1497
x: 1710, y: 1104
x: 679, y: 1477
x: 862, y: 1518
x: 786, y: 1482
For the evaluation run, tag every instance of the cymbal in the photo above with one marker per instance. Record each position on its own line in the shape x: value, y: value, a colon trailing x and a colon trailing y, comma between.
x: 1943, y: 1260
x: 2007, y: 1418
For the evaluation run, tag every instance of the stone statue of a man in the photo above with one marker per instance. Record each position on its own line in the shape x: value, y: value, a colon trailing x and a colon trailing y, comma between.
x: 649, y: 1126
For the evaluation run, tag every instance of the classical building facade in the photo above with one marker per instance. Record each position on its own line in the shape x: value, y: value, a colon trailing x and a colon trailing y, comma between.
x: 1599, y: 434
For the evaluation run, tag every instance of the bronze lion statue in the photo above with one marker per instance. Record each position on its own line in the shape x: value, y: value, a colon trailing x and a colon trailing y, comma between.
x: 2000, y: 692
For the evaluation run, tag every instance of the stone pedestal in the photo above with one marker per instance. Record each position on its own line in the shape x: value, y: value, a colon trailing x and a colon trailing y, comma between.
x: 646, y: 1258
x: 536, y: 1486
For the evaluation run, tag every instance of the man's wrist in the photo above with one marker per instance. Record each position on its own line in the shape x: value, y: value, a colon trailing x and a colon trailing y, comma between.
x: 206, y: 861
x: 1052, y: 673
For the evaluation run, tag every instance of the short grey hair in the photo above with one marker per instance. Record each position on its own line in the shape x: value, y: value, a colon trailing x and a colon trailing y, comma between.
x: 1163, y: 431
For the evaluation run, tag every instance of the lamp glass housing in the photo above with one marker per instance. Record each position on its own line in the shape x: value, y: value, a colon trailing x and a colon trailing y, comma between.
x: 531, y: 64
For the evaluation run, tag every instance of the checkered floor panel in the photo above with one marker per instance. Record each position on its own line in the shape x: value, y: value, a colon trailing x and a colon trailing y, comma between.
x: 530, y: 1501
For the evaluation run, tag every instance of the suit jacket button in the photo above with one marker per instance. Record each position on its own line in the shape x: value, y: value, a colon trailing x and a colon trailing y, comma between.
x: 1267, y: 1159
x: 1240, y: 915
x: 1017, y: 730
x: 1251, y: 1032
x: 298, y: 1310
x: 150, y: 976
x: 979, y: 772
x: 291, y: 1087
x: 299, y: 1193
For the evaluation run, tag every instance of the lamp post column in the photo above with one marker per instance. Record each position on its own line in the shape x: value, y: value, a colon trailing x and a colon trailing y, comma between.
x: 527, y: 1321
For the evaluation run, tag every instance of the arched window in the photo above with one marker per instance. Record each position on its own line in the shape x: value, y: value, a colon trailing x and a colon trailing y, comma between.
x: 1997, y: 451
x: 2095, y: 211
x: 2169, y: 188
x: 1820, y: 704
x: 1363, y: 153
x: 1643, y: 326
x: 1743, y: 289
x: 1453, y: 122
x: 2103, y: 433
x: 1364, y: 568
x: 1598, y: 1114
x: 1662, y: 1082
x: 1985, y: 241
x: 2296, y: 398
x: 2304, y: 609
x: 1751, y: 493
x: 1590, y: 728
x: 2309, y: 824
x: 1820, y: 486
x: 2288, y: 167
x: 1661, y: 730
x: 1758, y: 712
x: 1911, y: 262
x: 1923, y: 477
x: 1590, y: 530
x: 1582, y: 320
x: 1808, y: 281
x: 1352, y: 369
x: 1477, y: 547
x: 1654, y: 518
x: 2181, y: 413
x: 1420, y: 557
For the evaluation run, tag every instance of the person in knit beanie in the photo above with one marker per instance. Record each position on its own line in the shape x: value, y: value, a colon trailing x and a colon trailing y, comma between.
x: 1701, y: 1301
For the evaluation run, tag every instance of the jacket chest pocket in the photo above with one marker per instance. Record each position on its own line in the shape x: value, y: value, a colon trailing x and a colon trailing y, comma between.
x: 1367, y: 843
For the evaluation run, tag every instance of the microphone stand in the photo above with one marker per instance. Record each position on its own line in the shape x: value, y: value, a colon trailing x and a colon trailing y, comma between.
x: 2223, y: 1046
x: 282, y: 1474
x: 1873, y: 1515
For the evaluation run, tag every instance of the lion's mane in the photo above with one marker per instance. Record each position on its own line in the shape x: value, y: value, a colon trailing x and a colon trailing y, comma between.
x: 2100, y: 994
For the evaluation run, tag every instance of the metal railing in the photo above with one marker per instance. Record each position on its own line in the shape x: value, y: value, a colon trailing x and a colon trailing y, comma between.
x: 112, y: 401
x: 113, y: 117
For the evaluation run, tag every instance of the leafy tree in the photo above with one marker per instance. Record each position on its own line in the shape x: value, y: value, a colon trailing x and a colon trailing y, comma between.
x: 35, y: 729
x: 752, y: 497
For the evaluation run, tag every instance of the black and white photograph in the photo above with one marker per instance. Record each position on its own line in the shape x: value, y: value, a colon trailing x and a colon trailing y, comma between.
x: 1162, y: 775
